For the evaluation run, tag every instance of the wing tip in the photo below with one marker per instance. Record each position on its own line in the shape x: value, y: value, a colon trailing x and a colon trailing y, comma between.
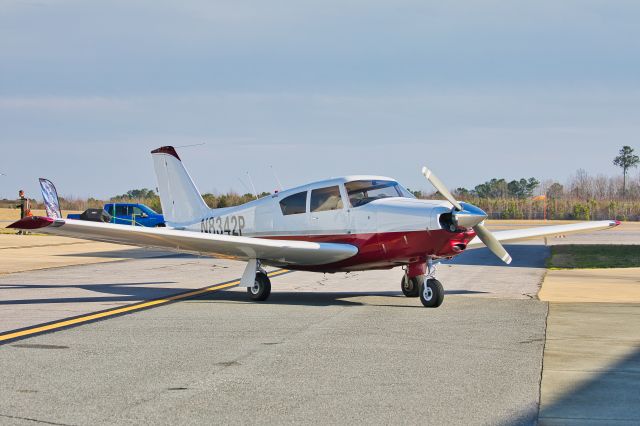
x: 32, y: 222
x: 167, y: 150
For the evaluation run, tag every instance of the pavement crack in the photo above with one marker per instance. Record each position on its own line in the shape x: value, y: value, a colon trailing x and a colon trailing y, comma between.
x: 531, y: 341
x: 34, y: 420
x: 228, y: 363
x: 38, y: 346
x: 544, y: 347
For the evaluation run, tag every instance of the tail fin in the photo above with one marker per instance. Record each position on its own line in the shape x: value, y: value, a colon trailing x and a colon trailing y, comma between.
x: 181, y: 201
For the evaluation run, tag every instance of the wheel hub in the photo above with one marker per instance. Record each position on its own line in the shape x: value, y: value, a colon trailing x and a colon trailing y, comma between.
x: 427, y: 293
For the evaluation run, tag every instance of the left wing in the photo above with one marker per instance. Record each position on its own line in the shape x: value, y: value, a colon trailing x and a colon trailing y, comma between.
x: 546, y: 231
x: 272, y: 251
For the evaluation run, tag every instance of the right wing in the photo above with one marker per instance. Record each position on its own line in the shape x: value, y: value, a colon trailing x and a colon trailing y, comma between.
x: 546, y: 231
x: 272, y: 251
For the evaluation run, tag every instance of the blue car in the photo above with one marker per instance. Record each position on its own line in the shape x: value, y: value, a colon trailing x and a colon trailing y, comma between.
x: 123, y: 214
x: 134, y: 214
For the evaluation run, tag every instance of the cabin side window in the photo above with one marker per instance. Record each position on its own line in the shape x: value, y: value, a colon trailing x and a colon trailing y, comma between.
x: 122, y: 210
x: 325, y: 199
x: 294, y: 204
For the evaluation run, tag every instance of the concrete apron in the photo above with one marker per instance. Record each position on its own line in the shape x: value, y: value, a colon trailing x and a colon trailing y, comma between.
x: 591, y: 367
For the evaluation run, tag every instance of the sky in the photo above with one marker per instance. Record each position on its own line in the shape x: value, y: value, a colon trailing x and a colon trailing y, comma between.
x: 313, y: 89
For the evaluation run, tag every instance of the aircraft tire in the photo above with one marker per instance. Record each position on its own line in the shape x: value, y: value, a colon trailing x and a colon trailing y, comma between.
x: 261, y: 289
x: 411, y: 286
x: 431, y: 293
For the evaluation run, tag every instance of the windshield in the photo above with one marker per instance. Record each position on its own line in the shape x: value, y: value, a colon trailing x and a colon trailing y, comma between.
x: 362, y: 192
x: 147, y: 209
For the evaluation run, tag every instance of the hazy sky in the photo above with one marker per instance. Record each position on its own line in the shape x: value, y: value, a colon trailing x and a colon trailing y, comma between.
x: 474, y: 89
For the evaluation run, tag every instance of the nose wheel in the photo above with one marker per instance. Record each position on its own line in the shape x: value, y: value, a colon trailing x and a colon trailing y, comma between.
x: 431, y: 293
x: 427, y: 287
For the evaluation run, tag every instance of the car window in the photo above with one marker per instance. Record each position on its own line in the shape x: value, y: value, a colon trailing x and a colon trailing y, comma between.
x: 294, y: 204
x: 324, y: 199
x: 122, y: 210
x: 148, y: 210
x: 137, y: 211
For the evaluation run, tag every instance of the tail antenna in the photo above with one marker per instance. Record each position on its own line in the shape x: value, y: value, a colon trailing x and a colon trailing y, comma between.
x: 275, y: 175
x: 255, y: 193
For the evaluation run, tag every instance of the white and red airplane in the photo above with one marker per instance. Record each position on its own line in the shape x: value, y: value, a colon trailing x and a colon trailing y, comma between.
x: 351, y: 223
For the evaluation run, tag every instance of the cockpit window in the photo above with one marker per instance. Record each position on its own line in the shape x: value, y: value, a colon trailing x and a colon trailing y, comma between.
x: 294, y: 204
x: 324, y: 199
x: 362, y: 192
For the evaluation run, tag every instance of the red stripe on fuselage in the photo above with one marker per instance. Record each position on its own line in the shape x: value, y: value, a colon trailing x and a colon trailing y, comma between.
x: 386, y: 250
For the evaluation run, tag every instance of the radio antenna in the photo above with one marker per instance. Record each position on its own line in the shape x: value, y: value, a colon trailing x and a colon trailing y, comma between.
x: 244, y: 185
x: 253, y: 186
x: 276, y: 176
x: 189, y: 146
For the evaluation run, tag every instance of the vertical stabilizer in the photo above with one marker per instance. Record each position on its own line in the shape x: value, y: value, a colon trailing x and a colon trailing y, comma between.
x: 181, y: 201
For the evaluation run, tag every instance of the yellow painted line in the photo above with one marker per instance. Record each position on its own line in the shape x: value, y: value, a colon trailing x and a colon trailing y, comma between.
x: 130, y: 308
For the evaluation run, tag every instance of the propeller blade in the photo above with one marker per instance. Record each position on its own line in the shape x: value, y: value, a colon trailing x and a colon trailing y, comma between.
x: 483, y: 233
x: 442, y: 189
x: 492, y: 243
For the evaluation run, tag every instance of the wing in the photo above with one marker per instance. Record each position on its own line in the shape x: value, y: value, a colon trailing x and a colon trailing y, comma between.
x: 272, y: 251
x: 546, y: 231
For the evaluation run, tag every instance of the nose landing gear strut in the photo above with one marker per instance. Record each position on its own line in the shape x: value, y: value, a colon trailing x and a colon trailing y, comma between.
x: 420, y: 281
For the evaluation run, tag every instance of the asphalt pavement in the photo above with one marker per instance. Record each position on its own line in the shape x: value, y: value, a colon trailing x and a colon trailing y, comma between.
x: 349, y: 348
x: 341, y: 348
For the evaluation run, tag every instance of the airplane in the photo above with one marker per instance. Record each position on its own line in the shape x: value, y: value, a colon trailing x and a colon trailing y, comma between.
x: 344, y: 224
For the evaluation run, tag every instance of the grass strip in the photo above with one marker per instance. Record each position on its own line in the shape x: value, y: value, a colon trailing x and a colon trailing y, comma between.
x: 594, y: 256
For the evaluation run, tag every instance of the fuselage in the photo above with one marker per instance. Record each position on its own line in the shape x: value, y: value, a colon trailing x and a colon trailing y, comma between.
x: 388, y: 225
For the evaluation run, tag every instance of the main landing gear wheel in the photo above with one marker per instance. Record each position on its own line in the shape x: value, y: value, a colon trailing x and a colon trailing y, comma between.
x: 411, y: 286
x: 261, y: 288
x: 431, y: 293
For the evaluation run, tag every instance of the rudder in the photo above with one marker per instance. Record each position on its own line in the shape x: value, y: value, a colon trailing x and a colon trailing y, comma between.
x: 181, y: 201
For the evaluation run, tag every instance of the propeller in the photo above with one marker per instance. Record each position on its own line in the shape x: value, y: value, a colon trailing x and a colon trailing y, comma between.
x: 473, y: 218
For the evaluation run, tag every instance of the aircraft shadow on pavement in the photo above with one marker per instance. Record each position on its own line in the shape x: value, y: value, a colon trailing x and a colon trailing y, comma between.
x: 615, y: 388
x: 321, y: 298
x: 524, y: 256
x: 118, y: 292
x: 135, y: 292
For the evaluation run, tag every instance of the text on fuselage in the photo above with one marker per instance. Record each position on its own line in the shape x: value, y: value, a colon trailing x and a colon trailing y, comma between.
x: 230, y: 225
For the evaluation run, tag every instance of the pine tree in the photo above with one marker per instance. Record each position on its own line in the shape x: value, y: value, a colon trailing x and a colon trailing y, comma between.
x: 626, y: 160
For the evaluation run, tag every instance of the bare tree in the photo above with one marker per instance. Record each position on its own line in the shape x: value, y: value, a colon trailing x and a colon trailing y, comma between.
x: 581, y: 185
x: 601, y: 187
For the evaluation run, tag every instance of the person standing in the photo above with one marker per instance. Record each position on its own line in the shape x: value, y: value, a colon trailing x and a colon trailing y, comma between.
x: 24, y: 207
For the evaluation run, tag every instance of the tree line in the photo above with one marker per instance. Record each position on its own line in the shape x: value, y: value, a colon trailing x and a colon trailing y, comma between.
x: 582, y: 197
